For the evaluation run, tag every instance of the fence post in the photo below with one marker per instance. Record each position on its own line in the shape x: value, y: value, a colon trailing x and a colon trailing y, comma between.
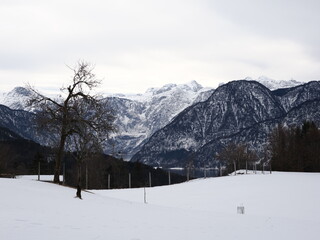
x: 150, y: 184
x: 129, y: 180
x: 169, y: 174
x: 86, y: 176
x: 188, y: 174
x: 39, y: 171
x: 109, y: 181
x: 246, y: 167
x: 64, y: 173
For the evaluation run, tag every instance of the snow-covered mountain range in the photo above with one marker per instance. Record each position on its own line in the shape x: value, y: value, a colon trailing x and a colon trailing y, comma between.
x: 239, y: 111
x: 138, y: 116
x: 17, y: 97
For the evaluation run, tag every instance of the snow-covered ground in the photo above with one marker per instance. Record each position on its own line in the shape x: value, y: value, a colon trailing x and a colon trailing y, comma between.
x: 277, y: 206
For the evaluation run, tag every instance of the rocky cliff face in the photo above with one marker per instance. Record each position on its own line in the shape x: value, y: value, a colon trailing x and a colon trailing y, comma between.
x: 139, y: 116
x: 293, y: 97
x: 239, y: 111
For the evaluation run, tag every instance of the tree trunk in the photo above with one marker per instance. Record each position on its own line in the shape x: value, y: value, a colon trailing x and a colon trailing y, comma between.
x: 246, y: 167
x: 79, y: 191
x: 57, y: 168
x: 79, y: 181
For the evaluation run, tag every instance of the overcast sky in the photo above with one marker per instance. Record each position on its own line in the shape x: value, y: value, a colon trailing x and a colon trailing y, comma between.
x: 139, y: 44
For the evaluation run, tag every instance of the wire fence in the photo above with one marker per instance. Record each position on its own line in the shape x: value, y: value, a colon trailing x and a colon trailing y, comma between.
x: 128, y: 178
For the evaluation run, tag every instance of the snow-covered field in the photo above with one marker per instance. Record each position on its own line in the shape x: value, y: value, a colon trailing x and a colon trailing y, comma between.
x: 277, y: 206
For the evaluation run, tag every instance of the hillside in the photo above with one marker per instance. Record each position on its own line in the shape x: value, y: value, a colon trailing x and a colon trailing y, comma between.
x: 277, y: 206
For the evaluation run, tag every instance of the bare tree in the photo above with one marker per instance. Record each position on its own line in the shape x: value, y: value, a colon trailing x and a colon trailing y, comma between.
x: 250, y: 158
x: 77, y: 113
x: 87, y: 141
x: 234, y: 154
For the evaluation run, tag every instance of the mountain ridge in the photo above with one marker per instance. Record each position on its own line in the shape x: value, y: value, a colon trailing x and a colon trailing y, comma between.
x: 239, y: 111
x: 139, y: 116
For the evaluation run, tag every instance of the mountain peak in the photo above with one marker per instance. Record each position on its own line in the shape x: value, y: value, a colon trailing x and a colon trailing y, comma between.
x: 20, y: 91
x: 16, y: 98
x: 165, y: 88
x: 193, y: 85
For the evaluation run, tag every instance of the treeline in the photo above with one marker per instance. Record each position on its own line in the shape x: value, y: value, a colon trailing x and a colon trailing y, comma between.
x: 22, y: 157
x: 295, y: 148
x: 288, y: 149
x: 237, y: 156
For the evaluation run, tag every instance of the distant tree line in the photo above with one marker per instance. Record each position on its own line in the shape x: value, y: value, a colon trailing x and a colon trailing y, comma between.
x: 22, y: 157
x: 236, y: 156
x: 288, y: 149
x: 295, y: 148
